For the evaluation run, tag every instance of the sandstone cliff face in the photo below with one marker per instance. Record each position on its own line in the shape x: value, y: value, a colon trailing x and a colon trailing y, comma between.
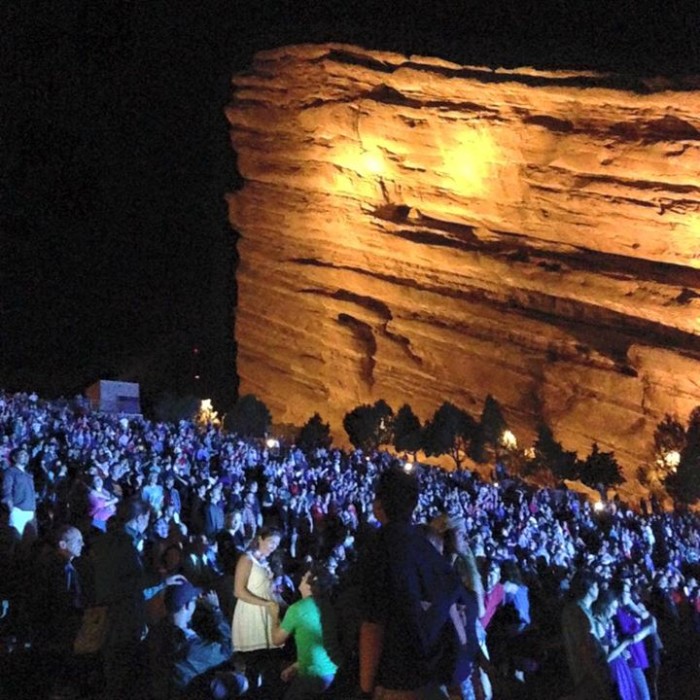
x: 420, y: 231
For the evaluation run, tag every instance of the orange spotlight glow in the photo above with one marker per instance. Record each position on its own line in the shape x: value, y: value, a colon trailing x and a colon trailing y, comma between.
x: 366, y: 162
x: 360, y: 170
x: 470, y: 161
x: 373, y: 162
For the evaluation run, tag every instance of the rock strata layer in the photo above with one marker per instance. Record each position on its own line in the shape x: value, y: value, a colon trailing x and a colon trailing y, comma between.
x: 420, y: 231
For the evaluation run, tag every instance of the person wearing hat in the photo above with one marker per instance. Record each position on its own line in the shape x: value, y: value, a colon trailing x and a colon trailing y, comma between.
x: 184, y: 661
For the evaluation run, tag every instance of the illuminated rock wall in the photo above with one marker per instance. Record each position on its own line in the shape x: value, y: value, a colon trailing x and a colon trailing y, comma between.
x: 419, y: 231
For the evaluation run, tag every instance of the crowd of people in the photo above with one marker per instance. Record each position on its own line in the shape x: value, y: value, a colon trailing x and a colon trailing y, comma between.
x: 158, y: 560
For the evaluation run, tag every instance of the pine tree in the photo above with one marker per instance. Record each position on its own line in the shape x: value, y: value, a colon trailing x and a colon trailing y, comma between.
x: 684, y: 483
x: 601, y: 468
x: 249, y: 417
x: 550, y: 455
x: 314, y: 434
x: 490, y: 430
x: 407, y: 431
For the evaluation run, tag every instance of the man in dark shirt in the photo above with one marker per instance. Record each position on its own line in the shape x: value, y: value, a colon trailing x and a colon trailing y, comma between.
x: 61, y: 592
x: 58, y: 600
x: 171, y: 495
x: 214, y: 513
x: 235, y: 498
x: 18, y: 494
x: 584, y: 653
x: 407, y: 592
x: 123, y: 584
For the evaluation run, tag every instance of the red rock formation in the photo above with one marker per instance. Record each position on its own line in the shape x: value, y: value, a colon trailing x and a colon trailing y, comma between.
x: 420, y: 231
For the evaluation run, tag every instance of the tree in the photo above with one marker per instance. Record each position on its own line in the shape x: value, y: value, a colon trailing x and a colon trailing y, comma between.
x: 600, y: 468
x: 492, y: 424
x: 550, y: 455
x: 172, y: 409
x: 249, y: 417
x: 684, y: 483
x: 384, y: 415
x: 490, y: 430
x: 669, y: 436
x: 669, y: 443
x: 449, y: 432
x: 407, y: 431
x: 369, y: 426
x: 315, y: 434
x: 359, y: 424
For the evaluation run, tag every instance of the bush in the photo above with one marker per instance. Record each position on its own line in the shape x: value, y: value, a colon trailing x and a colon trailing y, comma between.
x: 385, y: 422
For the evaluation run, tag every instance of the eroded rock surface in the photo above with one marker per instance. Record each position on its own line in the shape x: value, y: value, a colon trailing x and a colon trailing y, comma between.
x: 420, y: 231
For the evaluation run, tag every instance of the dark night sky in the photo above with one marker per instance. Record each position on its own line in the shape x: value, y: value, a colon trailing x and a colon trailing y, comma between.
x: 116, y: 258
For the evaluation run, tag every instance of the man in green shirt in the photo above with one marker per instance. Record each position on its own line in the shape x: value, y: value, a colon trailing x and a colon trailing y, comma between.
x: 308, y: 621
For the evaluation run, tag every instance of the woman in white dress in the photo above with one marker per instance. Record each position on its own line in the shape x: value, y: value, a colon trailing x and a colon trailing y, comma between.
x: 252, y: 623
